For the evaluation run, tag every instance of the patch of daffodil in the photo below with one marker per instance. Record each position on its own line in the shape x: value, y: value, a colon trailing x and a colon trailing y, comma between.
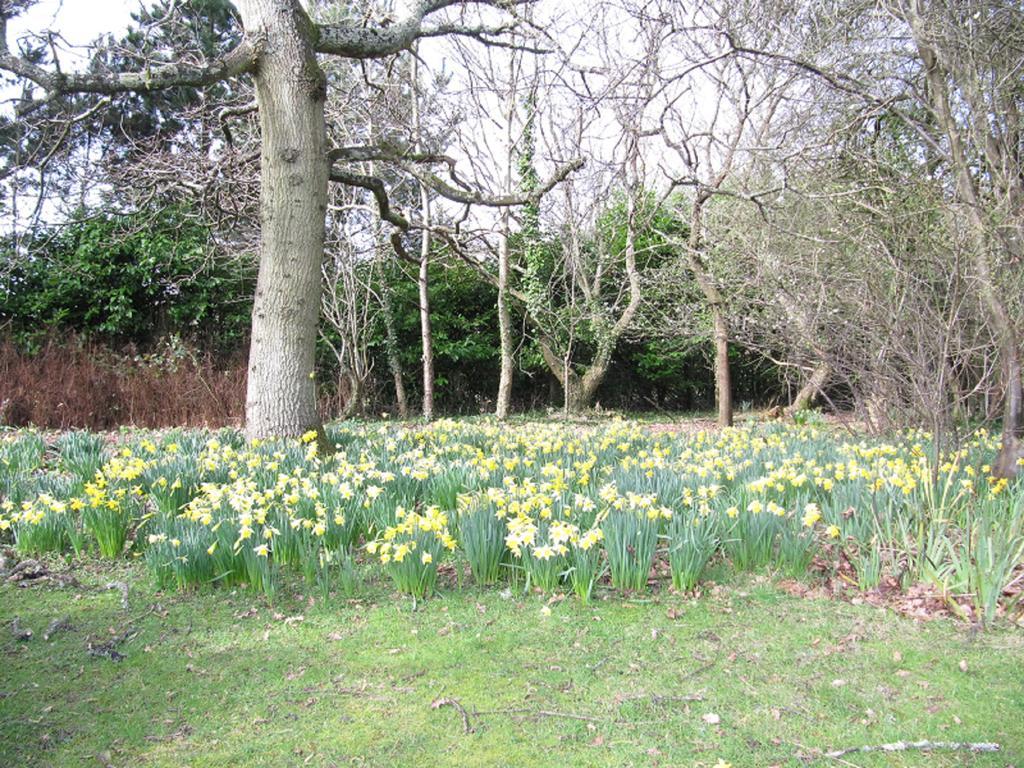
x: 549, y: 505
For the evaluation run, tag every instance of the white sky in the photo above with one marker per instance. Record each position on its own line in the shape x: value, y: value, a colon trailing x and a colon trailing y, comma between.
x: 78, y: 21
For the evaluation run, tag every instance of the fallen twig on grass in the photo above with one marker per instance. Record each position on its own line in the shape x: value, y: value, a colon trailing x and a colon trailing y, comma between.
x: 438, y: 703
x: 904, y: 746
x: 27, y: 570
x: 658, y: 699
x: 540, y: 713
x: 63, y: 624
x: 467, y: 726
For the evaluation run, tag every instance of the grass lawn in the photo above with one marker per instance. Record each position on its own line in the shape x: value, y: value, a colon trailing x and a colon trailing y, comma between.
x: 745, y: 674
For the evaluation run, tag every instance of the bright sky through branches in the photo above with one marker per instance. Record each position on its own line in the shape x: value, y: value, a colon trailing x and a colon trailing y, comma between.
x: 79, y: 22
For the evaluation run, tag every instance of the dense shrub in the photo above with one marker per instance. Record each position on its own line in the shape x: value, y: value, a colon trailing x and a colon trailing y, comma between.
x: 127, y: 280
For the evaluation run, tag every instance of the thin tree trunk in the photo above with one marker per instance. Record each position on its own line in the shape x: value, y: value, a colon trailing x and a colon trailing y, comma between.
x: 723, y: 376
x: 1012, y: 448
x: 504, y: 325
x: 394, y: 361
x: 390, y: 332
x: 504, y: 398
x: 351, y: 405
x: 423, y: 280
x: 290, y: 92
x: 426, y: 335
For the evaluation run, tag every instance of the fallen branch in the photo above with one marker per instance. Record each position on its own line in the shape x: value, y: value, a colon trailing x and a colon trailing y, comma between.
x: 109, y: 650
x: 539, y: 713
x: 524, y: 712
x: 438, y: 703
x: 905, y: 746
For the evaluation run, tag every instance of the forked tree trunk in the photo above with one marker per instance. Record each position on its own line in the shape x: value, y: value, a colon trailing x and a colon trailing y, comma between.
x: 578, y: 392
x: 290, y: 92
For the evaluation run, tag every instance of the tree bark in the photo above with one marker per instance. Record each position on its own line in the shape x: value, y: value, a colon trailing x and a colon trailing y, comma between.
x: 723, y: 375
x: 354, y: 402
x: 290, y: 92
x: 1011, y: 449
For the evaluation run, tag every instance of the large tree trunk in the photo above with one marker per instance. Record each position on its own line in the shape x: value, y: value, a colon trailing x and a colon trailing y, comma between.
x: 290, y: 92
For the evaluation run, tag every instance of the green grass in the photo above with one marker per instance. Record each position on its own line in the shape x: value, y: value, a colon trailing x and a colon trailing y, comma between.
x: 223, y: 678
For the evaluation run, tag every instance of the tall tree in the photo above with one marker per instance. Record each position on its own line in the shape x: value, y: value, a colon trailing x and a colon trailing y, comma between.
x: 971, y: 57
x: 279, y: 51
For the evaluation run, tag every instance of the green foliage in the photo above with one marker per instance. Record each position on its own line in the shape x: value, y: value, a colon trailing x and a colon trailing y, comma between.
x: 482, y: 534
x: 128, y: 279
x: 692, y: 540
x: 81, y: 454
x: 655, y: 223
x: 630, y: 538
